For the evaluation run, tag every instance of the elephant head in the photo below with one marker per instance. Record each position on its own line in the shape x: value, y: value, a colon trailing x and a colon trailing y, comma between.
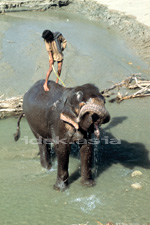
x: 85, y: 108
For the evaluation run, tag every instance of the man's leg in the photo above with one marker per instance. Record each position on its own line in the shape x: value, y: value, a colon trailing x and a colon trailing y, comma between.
x: 47, y: 76
x: 59, y: 64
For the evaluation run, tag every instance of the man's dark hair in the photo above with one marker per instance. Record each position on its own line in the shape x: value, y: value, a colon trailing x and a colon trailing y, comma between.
x: 47, y: 34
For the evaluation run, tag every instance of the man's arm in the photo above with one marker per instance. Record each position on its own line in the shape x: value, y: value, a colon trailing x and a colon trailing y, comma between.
x: 63, y: 42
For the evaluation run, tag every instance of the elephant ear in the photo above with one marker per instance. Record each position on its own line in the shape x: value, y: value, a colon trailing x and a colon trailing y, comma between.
x: 69, y: 120
x: 70, y: 112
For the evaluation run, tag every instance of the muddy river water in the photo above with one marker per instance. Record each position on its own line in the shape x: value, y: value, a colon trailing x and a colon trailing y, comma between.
x: 94, y: 54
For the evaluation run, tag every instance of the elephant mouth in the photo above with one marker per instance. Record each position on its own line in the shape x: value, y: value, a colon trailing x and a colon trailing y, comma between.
x: 96, y: 130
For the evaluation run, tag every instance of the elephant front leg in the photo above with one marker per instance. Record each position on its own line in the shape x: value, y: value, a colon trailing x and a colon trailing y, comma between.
x: 62, y: 152
x: 86, y: 164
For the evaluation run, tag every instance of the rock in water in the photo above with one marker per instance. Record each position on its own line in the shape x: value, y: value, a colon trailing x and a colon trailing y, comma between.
x: 136, y: 173
x: 136, y: 186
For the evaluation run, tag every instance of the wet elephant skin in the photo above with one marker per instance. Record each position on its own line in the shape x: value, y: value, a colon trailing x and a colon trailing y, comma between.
x: 62, y: 116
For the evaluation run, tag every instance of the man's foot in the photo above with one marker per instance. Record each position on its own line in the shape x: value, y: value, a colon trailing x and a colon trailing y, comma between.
x: 45, y: 87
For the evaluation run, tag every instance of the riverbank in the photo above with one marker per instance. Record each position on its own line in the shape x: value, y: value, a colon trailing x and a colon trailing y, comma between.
x: 120, y: 15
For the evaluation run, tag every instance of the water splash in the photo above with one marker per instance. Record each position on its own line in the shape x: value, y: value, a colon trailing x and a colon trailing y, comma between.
x: 88, y: 204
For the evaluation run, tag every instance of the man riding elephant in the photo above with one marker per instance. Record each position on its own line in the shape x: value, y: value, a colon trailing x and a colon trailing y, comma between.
x: 55, y: 44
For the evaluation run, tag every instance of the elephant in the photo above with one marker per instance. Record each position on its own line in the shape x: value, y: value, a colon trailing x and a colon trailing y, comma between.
x: 63, y: 116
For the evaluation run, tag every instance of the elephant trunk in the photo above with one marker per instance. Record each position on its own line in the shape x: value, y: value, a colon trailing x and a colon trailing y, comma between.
x: 94, y: 108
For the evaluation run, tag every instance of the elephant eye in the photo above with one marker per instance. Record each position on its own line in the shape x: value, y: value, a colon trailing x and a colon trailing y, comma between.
x: 76, y: 111
x: 79, y: 96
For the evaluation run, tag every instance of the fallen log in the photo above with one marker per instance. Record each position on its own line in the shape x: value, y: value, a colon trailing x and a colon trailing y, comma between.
x: 131, y: 96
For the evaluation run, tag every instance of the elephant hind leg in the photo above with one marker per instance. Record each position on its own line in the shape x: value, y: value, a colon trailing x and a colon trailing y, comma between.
x: 45, y: 155
x: 44, y: 150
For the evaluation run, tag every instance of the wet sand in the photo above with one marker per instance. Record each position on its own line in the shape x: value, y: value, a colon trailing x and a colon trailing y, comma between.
x: 25, y: 60
x: 130, y: 18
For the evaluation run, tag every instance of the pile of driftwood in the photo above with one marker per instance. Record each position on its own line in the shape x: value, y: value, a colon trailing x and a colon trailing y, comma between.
x: 30, y: 5
x: 10, y: 106
x: 131, y: 83
x: 13, y: 106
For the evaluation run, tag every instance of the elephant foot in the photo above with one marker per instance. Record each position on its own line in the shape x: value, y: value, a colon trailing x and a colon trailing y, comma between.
x: 61, y: 185
x: 46, y: 165
x: 88, y: 182
x: 49, y: 166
